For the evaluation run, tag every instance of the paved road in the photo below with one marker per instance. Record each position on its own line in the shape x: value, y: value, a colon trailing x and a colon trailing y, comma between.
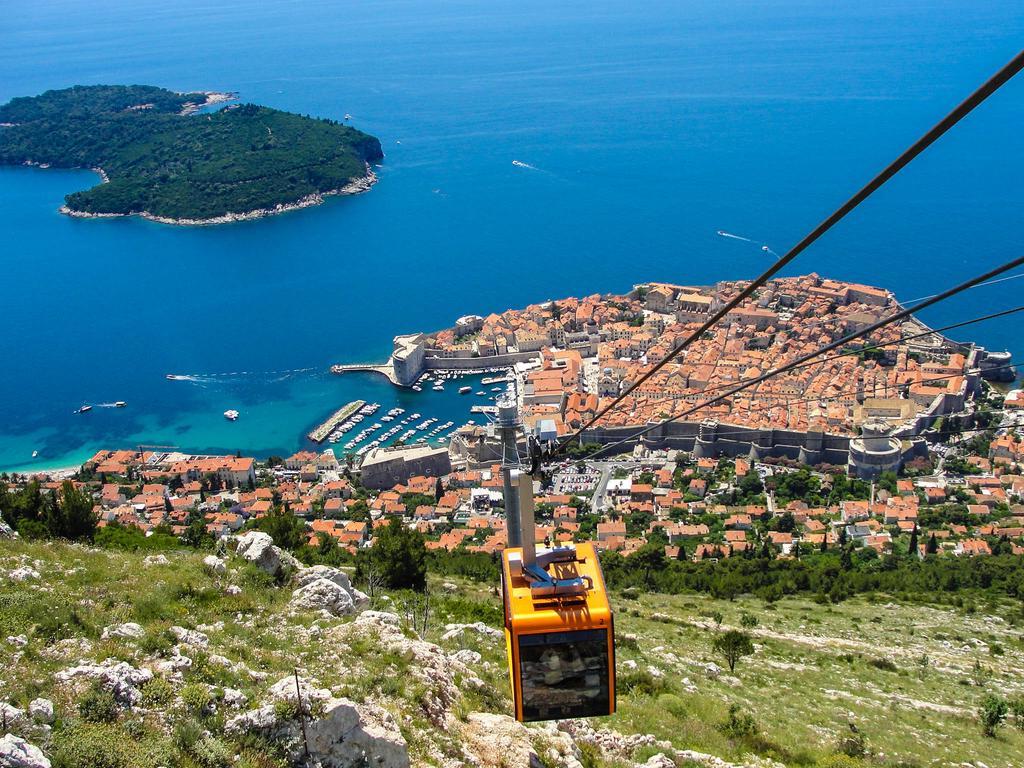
x: 597, y: 501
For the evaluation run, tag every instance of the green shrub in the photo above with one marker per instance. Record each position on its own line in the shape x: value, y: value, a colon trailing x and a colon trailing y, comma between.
x: 672, y: 704
x: 186, y: 733
x: 210, y: 752
x: 157, y: 643
x: 642, y: 682
x: 1017, y: 710
x: 884, y: 664
x: 286, y: 709
x: 748, y: 620
x: 992, y: 713
x: 103, y: 745
x: 852, y: 743
x: 157, y: 693
x: 196, y: 698
x: 98, y: 706
x: 627, y: 641
x: 738, y: 724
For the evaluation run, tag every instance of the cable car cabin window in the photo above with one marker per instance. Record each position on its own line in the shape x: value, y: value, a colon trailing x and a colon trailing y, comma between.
x: 564, y: 674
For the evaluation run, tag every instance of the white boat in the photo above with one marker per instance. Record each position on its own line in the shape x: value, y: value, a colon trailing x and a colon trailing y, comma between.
x: 84, y: 409
x: 34, y: 454
x: 465, y: 390
x: 231, y: 415
x: 120, y: 404
x: 417, y: 388
x: 481, y: 393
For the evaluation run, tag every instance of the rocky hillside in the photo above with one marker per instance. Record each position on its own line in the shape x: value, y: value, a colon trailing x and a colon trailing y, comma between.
x: 247, y: 659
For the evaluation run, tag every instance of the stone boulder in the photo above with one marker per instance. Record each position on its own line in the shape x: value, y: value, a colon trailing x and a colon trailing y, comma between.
x: 214, y: 565
x: 118, y: 677
x: 18, y: 753
x: 6, y: 532
x: 453, y: 631
x: 286, y: 689
x: 41, y: 710
x: 12, y: 716
x: 468, y: 657
x: 155, y: 560
x: 341, y: 733
x: 323, y: 595
x: 353, y: 734
x: 191, y: 637
x: 129, y: 630
x: 23, y: 574
x: 307, y: 576
x: 257, y: 547
x: 314, y: 572
x: 498, y: 740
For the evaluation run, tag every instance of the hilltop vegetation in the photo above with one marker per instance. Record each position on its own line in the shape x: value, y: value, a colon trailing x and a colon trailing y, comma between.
x: 203, y: 651
x: 168, y: 163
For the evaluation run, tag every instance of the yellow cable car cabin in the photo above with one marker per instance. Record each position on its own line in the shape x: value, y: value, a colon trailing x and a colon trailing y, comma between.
x: 559, y: 633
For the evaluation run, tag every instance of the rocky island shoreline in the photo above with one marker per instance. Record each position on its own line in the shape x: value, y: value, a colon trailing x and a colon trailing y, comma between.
x: 354, y: 187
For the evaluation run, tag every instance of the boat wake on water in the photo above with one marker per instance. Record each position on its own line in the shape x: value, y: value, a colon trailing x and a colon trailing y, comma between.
x: 521, y: 164
x: 731, y: 236
x: 723, y: 233
x: 214, y: 378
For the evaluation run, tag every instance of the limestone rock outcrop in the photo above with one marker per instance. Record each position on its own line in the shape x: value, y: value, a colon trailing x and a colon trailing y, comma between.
x: 340, y: 734
x: 257, y: 547
x: 323, y: 595
x: 118, y: 677
x: 18, y: 753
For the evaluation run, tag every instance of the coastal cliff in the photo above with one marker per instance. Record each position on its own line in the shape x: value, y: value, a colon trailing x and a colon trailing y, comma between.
x: 164, y: 156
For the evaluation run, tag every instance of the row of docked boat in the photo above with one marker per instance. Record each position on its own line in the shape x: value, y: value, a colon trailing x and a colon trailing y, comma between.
x: 353, y: 421
x: 394, y: 412
x: 428, y: 429
x: 436, y: 379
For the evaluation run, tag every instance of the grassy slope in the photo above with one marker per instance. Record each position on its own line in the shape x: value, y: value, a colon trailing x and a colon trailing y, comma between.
x: 811, y: 668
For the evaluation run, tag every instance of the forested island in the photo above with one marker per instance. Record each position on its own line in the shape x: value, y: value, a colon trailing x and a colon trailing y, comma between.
x: 164, y: 157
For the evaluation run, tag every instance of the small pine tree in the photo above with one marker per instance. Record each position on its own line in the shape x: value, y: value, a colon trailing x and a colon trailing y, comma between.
x: 912, y: 548
x: 932, y: 547
x: 733, y: 645
x: 992, y: 713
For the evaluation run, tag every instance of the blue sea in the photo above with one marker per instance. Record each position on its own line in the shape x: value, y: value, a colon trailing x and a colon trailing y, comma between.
x: 643, y: 128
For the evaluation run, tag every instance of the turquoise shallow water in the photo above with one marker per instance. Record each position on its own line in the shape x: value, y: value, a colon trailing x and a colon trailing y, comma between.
x: 647, y: 130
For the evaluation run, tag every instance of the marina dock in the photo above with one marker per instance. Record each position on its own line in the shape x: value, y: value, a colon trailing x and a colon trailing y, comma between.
x: 320, y: 434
